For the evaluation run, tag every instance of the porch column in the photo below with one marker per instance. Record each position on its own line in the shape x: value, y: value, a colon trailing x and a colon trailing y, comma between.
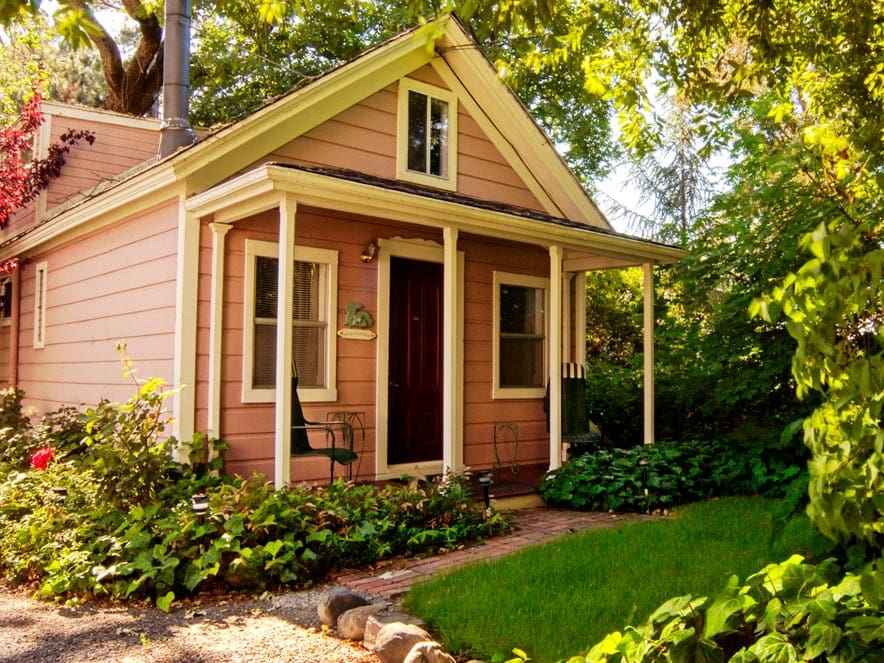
x: 580, y: 318
x: 649, y: 353
x: 451, y: 295
x: 184, y: 362
x: 555, y: 357
x: 567, y: 324
x: 284, y: 311
x: 216, y: 326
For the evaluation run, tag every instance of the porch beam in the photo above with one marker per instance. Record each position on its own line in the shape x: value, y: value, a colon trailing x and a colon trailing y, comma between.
x: 450, y: 297
x: 555, y: 357
x: 284, y: 311
x: 648, y: 333
x: 216, y: 326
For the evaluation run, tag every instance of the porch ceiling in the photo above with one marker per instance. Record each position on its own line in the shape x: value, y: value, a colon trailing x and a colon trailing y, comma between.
x: 585, y: 247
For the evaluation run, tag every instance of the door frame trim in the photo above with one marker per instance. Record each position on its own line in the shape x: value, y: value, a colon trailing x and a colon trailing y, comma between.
x: 412, y: 249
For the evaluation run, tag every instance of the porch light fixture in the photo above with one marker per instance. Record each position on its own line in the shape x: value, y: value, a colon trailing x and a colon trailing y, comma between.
x: 370, y: 252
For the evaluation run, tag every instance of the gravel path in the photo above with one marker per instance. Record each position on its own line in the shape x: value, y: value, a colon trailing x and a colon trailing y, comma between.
x: 280, y: 627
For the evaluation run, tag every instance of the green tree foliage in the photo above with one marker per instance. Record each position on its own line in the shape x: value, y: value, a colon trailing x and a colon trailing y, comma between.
x: 245, y: 53
x: 31, y: 58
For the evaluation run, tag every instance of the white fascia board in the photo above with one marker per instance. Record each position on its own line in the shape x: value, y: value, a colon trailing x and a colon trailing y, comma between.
x: 142, y: 191
x: 232, y: 148
x: 317, y: 190
x: 515, y: 129
x: 56, y: 109
x: 355, y: 197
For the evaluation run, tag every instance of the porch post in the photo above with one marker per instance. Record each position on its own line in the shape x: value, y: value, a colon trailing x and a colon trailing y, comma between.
x: 451, y: 295
x: 649, y: 353
x: 216, y: 326
x: 284, y: 312
x: 580, y: 318
x: 184, y: 362
x: 567, y: 326
x: 555, y: 357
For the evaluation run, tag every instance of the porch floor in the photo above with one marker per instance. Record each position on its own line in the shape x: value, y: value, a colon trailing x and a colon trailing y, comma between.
x: 508, y: 482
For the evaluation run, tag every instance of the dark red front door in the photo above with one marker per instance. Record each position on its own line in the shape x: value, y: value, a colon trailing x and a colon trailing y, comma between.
x: 415, y: 389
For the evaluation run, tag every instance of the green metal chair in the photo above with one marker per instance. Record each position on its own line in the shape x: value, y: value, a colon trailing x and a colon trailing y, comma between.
x: 338, y: 448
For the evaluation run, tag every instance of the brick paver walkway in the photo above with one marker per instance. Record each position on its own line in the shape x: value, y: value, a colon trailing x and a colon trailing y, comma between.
x: 531, y: 526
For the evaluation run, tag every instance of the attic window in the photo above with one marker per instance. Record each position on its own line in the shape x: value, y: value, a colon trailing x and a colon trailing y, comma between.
x: 427, y: 135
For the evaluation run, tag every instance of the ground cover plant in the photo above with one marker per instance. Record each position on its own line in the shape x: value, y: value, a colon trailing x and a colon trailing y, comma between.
x: 666, y: 474
x: 91, y: 504
x: 555, y: 600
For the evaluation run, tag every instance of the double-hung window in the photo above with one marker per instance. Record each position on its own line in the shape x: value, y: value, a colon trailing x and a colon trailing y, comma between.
x: 313, y: 322
x: 520, y: 322
x: 427, y: 135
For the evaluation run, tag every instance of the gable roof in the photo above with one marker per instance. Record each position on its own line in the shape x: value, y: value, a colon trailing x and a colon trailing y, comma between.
x: 458, y: 60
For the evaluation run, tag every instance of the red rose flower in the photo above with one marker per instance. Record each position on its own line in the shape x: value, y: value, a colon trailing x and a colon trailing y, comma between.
x: 41, y: 457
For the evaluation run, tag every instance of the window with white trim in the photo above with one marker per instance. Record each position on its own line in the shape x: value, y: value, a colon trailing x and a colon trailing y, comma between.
x: 6, y: 300
x: 520, y: 348
x: 40, y: 276
x: 427, y: 135
x: 313, y: 322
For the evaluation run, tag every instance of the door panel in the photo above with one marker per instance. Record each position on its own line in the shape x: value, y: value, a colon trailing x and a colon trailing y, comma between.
x: 415, y: 370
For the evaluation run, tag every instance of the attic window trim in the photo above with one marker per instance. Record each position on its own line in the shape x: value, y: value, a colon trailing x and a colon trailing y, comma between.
x: 448, y: 181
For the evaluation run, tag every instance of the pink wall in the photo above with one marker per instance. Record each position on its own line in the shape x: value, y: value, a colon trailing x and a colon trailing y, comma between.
x: 116, y: 284
x: 363, y: 138
x: 116, y: 149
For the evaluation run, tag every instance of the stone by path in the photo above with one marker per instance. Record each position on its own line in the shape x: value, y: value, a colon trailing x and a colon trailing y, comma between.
x: 530, y: 527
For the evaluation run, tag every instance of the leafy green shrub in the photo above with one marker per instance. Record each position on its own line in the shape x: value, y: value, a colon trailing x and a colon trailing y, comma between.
x: 112, y: 516
x: 787, y: 612
x: 16, y: 446
x: 665, y: 474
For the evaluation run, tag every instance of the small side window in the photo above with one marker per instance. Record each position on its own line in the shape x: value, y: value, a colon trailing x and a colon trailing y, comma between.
x: 5, y: 300
x: 40, y: 277
x: 427, y: 135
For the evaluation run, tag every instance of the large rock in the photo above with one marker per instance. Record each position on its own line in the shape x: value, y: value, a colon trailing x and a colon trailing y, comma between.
x: 351, y: 624
x: 428, y: 652
x: 338, y: 601
x: 377, y: 621
x: 395, y: 641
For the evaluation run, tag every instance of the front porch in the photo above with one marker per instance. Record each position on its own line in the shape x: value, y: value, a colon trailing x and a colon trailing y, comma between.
x: 302, y: 215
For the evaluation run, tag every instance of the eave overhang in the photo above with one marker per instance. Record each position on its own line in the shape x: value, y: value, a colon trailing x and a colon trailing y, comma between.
x: 586, y: 247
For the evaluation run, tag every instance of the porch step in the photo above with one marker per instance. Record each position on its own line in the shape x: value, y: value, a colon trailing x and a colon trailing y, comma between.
x: 517, y: 502
x: 510, y: 490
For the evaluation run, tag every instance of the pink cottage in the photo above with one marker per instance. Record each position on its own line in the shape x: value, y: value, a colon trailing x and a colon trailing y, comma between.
x: 431, y: 242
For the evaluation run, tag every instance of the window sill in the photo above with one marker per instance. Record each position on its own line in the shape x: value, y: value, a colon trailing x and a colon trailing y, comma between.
x: 329, y: 395
x: 500, y: 393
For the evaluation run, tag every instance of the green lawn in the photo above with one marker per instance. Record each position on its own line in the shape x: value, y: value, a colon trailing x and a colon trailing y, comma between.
x: 556, y: 600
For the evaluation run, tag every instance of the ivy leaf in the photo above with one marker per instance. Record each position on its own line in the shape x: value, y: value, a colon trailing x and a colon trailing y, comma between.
x: 728, y: 603
x: 872, y: 584
x: 822, y: 639
x: 679, y: 606
x: 165, y: 602
x: 867, y: 629
x: 775, y: 648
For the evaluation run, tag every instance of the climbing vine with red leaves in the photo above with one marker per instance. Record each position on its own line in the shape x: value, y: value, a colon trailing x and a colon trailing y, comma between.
x: 20, y: 180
